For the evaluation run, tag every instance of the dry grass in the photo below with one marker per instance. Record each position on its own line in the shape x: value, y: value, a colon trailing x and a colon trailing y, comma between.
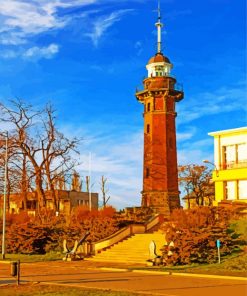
x: 231, y: 266
x: 46, y: 290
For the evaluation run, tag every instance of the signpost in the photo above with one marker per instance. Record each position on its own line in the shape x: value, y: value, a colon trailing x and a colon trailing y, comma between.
x: 218, y: 247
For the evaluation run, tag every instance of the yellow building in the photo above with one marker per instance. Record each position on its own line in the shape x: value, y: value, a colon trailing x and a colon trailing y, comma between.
x: 230, y: 158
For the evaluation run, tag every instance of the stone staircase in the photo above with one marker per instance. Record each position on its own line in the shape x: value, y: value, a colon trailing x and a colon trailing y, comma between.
x: 134, y: 249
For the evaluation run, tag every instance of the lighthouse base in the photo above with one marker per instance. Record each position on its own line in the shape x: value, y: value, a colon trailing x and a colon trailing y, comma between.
x: 162, y: 202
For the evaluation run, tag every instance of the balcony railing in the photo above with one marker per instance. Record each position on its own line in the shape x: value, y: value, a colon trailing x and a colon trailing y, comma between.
x: 234, y: 165
x: 175, y: 86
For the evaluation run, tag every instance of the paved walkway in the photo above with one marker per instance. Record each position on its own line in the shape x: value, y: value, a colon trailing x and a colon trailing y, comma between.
x: 92, y: 275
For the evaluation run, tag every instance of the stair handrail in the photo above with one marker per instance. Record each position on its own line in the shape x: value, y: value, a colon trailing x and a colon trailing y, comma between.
x: 123, y: 233
x: 152, y: 222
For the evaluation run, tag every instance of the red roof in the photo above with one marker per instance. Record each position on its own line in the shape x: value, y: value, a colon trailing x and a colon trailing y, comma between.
x: 159, y: 57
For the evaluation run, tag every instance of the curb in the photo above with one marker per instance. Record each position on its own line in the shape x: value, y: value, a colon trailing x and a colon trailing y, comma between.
x: 223, y: 277
x: 212, y: 276
x: 113, y: 269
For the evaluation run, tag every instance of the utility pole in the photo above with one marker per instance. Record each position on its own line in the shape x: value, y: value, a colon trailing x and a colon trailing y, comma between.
x: 4, y: 195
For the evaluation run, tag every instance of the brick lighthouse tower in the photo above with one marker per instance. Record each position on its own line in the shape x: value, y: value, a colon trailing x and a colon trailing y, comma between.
x: 159, y: 97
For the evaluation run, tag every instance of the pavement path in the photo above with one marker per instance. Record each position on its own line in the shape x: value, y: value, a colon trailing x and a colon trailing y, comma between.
x: 87, y: 275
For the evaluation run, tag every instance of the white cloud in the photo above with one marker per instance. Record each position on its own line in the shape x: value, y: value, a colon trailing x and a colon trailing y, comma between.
x: 9, y: 54
x: 22, y: 19
x: 186, y: 134
x: 139, y: 47
x: 41, y: 52
x: 222, y: 100
x: 195, y: 151
x: 117, y: 157
x: 32, y: 53
x: 12, y: 38
x: 101, y: 24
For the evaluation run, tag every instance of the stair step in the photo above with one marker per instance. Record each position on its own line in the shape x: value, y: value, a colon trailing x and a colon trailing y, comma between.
x: 134, y: 249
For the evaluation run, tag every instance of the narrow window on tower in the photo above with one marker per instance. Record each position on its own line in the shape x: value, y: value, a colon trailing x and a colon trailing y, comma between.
x: 149, y: 107
x: 147, y: 172
x: 148, y: 128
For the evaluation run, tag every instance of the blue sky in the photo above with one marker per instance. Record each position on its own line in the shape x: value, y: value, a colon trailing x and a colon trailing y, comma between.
x: 88, y: 56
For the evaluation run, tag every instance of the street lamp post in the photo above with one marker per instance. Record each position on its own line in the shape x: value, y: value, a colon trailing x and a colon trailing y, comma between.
x: 4, y: 195
x: 216, y: 170
x: 89, y: 173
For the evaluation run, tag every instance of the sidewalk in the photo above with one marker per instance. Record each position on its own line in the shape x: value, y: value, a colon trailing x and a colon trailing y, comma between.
x: 86, y: 274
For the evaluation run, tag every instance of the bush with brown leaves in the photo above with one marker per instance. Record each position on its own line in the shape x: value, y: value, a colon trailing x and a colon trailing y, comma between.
x: 46, y: 232
x: 194, y: 233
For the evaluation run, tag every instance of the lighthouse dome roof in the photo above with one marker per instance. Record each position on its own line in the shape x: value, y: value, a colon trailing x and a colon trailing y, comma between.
x: 159, y: 58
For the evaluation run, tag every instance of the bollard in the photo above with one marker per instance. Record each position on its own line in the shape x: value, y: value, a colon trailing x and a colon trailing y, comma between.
x: 14, y: 268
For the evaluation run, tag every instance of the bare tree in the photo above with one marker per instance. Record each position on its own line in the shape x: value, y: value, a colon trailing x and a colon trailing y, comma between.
x: 87, y: 182
x: 37, y: 139
x: 76, y: 183
x: 196, y: 182
x: 22, y: 119
x: 17, y: 178
x: 56, y: 152
x: 104, y: 191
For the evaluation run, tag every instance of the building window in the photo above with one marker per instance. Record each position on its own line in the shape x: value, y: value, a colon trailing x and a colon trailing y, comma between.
x: 230, y: 155
x: 148, y: 128
x: 149, y: 107
x: 230, y: 190
x: 31, y: 204
x: 242, y: 189
x: 241, y: 153
x: 49, y: 204
x: 147, y: 172
x: 79, y: 202
x: 234, y: 156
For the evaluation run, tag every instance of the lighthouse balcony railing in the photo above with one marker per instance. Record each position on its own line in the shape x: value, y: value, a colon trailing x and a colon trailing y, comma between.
x: 177, y: 86
x: 162, y: 75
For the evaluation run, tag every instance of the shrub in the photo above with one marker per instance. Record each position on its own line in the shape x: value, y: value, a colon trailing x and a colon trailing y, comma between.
x: 238, y: 263
x: 46, y: 232
x: 17, y: 218
x: 239, y: 226
x: 194, y: 233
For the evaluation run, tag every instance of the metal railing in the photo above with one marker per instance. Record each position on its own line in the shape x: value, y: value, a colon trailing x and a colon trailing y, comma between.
x: 234, y: 165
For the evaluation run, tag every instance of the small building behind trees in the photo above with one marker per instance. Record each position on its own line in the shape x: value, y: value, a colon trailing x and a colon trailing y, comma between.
x: 67, y: 200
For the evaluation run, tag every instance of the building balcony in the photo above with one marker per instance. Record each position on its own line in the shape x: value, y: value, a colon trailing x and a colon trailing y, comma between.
x: 162, y: 83
x: 237, y: 171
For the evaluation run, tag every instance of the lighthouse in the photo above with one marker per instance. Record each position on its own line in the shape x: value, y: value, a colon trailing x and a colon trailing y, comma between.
x: 159, y: 97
